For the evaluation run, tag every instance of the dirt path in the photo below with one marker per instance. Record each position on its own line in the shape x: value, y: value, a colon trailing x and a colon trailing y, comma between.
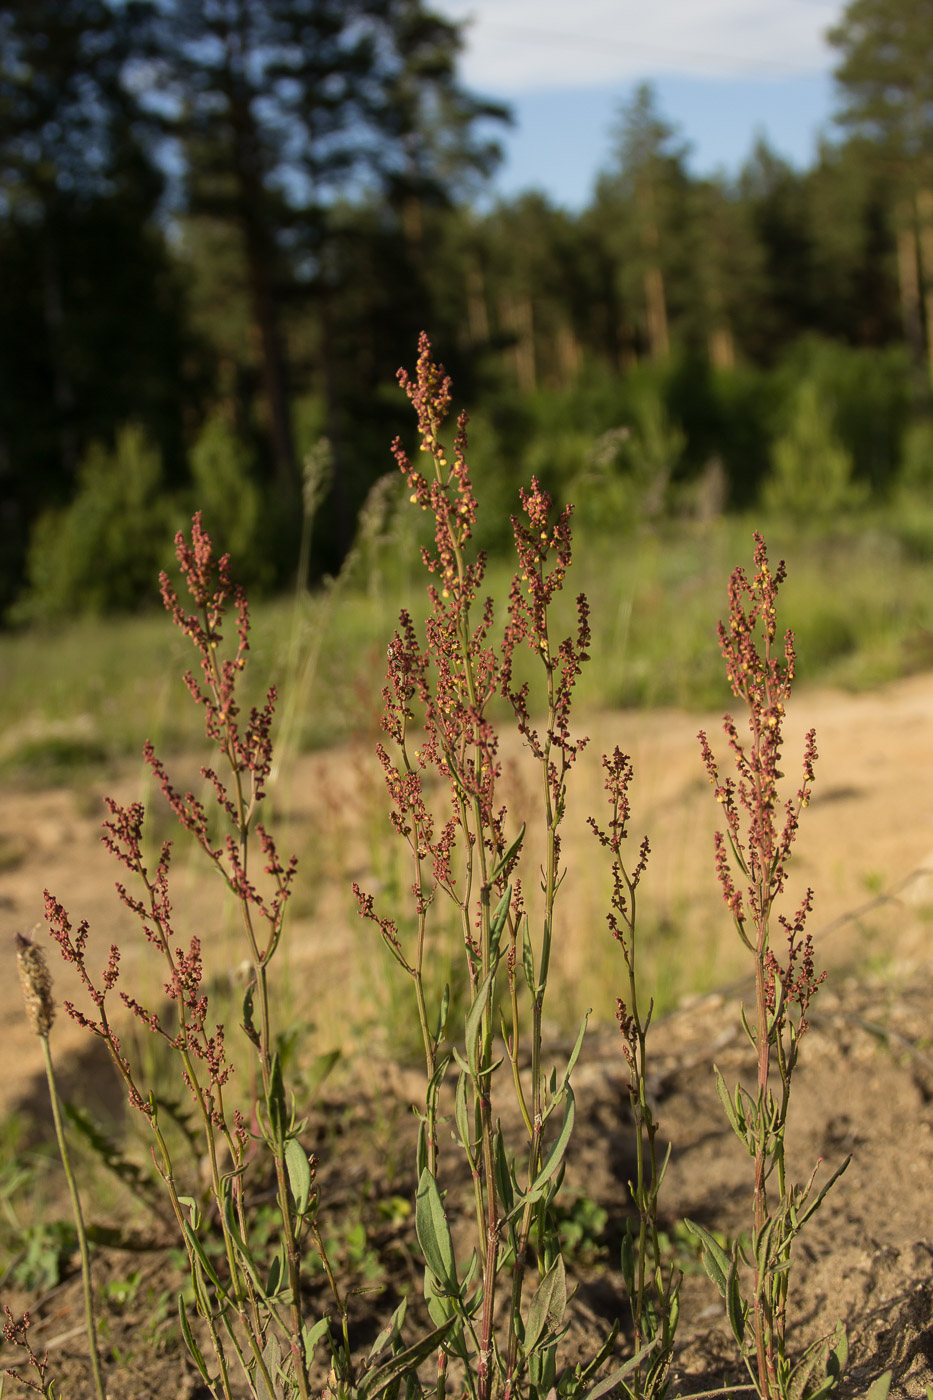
x: 869, y: 830
x: 866, y: 1083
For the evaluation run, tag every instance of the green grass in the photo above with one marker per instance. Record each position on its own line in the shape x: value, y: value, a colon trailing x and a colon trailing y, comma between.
x: 857, y: 597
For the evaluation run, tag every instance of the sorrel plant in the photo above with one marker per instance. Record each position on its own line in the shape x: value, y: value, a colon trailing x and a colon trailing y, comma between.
x: 497, y: 1310
x: 752, y: 858
x: 467, y: 849
x: 652, y: 1286
x: 249, y: 1305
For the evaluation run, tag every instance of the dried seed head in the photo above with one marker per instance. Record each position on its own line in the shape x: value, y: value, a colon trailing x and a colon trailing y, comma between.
x: 37, y: 985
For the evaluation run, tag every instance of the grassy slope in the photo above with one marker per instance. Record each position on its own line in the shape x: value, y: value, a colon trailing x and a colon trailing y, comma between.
x: 857, y: 596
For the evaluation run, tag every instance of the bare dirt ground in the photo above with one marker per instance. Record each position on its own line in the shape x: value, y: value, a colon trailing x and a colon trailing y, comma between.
x: 865, y: 1084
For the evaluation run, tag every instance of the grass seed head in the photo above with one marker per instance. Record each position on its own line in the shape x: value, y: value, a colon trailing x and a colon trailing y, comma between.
x: 36, y: 982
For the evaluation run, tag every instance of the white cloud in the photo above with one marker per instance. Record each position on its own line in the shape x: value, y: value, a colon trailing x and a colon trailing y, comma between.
x: 522, y: 45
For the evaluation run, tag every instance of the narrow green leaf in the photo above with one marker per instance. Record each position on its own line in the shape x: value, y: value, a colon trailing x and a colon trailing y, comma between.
x: 462, y: 1115
x: 627, y: 1261
x: 247, y: 1022
x: 193, y: 1349
x: 499, y: 918
x: 474, y: 1020
x: 735, y: 1307
x: 503, y: 1173
x: 311, y: 1334
x: 391, y: 1331
x: 575, y: 1052
x: 547, y: 1306
x: 814, y: 1205
x: 276, y: 1272
x: 404, y: 1363
x: 557, y: 1151
x: 442, y: 1014
x: 434, y: 1233
x: 421, y: 1151
x: 321, y: 1067
x: 299, y: 1174
x: 715, y: 1260
x: 761, y: 1245
x: 509, y: 855
x: 614, y: 1378
x: 191, y: 1206
x: 878, y: 1390
x: 203, y: 1260
x: 528, y: 959
x: 736, y: 1122
x: 275, y: 1101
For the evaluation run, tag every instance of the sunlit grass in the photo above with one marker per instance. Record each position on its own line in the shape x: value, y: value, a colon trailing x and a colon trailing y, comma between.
x: 857, y: 597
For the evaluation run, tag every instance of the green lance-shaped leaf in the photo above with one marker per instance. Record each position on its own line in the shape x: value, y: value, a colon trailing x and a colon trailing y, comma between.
x: 442, y: 1014
x: 528, y: 959
x: 462, y: 1115
x: 299, y: 1174
x: 192, y: 1346
x: 202, y: 1258
x: 508, y: 857
x: 627, y: 1259
x: 836, y: 1350
x: 312, y: 1333
x: 247, y: 1022
x: 878, y: 1390
x: 499, y: 918
x: 610, y: 1382
x: 433, y: 1232
x: 575, y: 1052
x: 547, y: 1306
x: 504, y: 1180
x: 390, y: 1333
x: 277, y: 1273
x: 474, y: 1021
x: 715, y: 1260
x: 275, y: 1102
x: 735, y: 1307
x: 404, y: 1363
x: 556, y: 1154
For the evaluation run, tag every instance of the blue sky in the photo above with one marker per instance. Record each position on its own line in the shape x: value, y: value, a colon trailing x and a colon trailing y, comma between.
x: 724, y: 72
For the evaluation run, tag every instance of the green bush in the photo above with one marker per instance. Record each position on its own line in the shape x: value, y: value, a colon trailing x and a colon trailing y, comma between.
x: 232, y: 506
x: 101, y: 552
x: 811, y: 476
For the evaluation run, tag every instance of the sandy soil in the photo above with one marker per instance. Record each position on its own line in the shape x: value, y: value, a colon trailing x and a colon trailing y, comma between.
x: 866, y: 1081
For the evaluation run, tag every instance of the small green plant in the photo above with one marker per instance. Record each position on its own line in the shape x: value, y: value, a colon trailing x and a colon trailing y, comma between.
x: 468, y: 851
x: 40, y: 1013
x: 234, y: 1174
x: 100, y: 553
x: 811, y: 476
x: 752, y: 858
x: 653, y: 1288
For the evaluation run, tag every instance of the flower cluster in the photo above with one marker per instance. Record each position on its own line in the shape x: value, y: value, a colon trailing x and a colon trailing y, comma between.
x: 760, y: 832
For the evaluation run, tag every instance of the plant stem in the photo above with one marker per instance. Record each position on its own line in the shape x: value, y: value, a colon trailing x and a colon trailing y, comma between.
x: 79, y: 1221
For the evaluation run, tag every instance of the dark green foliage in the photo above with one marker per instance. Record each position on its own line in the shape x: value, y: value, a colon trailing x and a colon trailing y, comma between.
x: 644, y: 355
x: 103, y: 551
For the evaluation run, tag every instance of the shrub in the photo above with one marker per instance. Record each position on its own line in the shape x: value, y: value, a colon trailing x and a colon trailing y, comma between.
x: 227, y: 494
x: 811, y: 476
x: 102, y: 551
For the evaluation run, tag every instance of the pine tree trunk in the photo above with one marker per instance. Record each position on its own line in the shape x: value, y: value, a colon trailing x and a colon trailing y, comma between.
x: 721, y: 346
x: 260, y: 252
x: 477, y: 317
x: 656, y: 307
x: 516, y: 315
x: 909, y: 284
x: 655, y: 298
x: 53, y: 306
x: 569, y: 355
x: 925, y: 220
